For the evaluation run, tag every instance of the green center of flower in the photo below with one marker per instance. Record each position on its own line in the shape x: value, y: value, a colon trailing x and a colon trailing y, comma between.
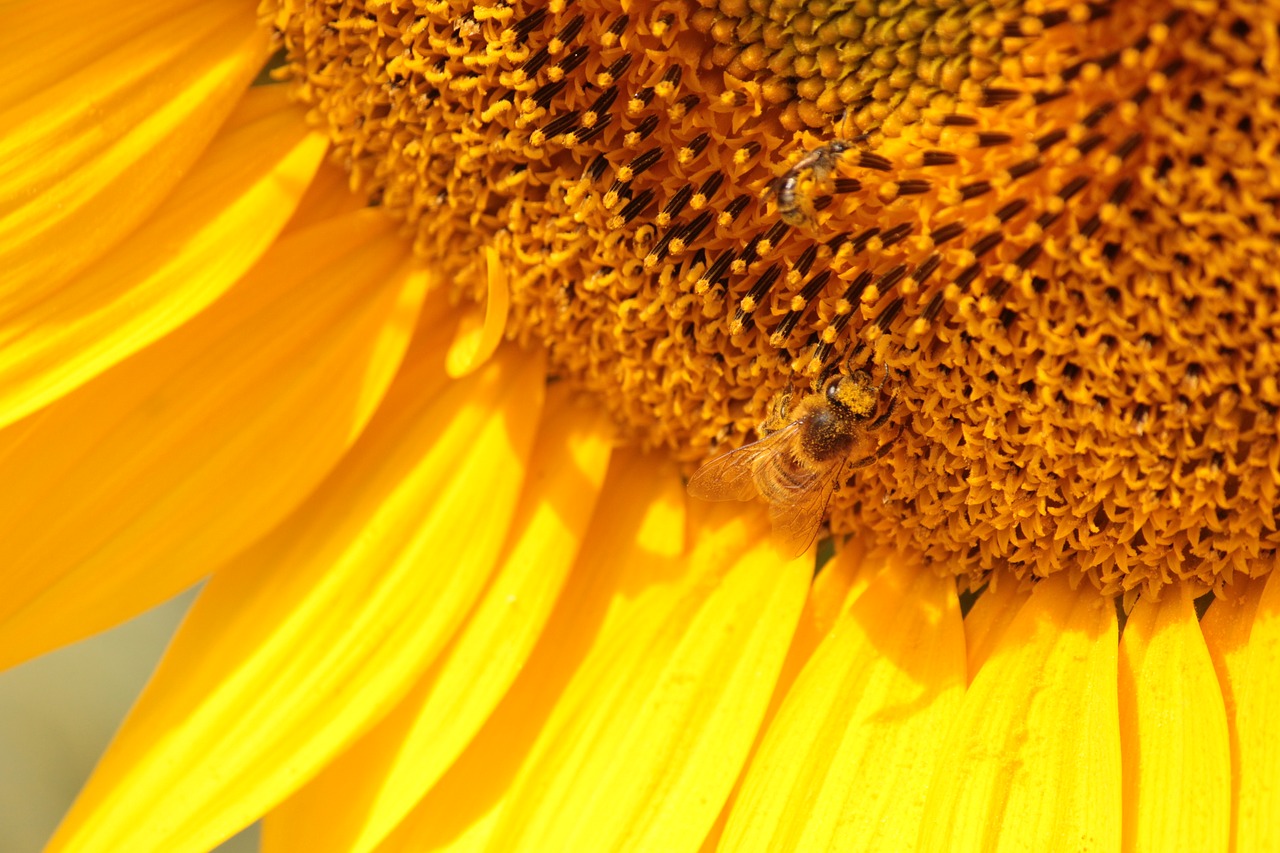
x: 1057, y: 224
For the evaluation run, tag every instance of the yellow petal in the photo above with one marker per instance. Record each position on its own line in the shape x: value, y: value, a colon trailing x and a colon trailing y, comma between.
x: 1243, y: 634
x: 1033, y: 760
x: 1173, y: 726
x: 328, y: 196
x: 836, y: 586
x: 633, y: 550
x: 648, y: 738
x: 846, y: 762
x: 477, y: 341
x: 361, y: 797
x: 55, y: 335
x: 305, y: 641
x: 990, y: 617
x: 142, y: 481
x: 98, y: 135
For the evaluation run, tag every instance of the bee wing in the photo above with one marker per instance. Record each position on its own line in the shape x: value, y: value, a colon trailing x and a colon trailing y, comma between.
x: 732, y: 477
x: 797, y: 518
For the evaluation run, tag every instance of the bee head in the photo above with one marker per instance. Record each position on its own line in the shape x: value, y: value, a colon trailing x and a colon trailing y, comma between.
x: 854, y: 393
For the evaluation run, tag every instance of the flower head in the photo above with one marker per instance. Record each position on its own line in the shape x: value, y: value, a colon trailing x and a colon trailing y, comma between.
x: 430, y: 453
x: 1059, y: 225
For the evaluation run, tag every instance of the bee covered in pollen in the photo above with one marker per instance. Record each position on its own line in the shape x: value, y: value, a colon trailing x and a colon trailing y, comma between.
x: 795, y: 467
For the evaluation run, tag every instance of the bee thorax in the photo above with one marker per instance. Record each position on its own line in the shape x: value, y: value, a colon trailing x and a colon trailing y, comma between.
x: 827, y: 435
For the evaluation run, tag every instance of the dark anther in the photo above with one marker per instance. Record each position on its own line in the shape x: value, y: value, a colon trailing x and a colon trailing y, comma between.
x: 534, y: 64
x: 698, y: 143
x: 1124, y: 149
x: 645, y: 161
x: 637, y: 205
x: 1026, y: 167
x: 711, y: 185
x: 558, y: 126
x: 867, y: 160
x: 1090, y: 142
x: 986, y: 244
x: 1051, y: 138
x: 1028, y: 256
x: 805, y: 262
x: 1011, y: 209
x: 597, y: 168
x: 947, y: 232
x: 1101, y: 112
x: 1121, y: 192
x: 927, y: 268
x: 694, y: 229
x: 646, y: 127
x: 574, y: 59
x: 885, y: 320
x: 571, y: 29
x: 914, y: 186
x: 860, y: 242
x: 1076, y: 184
x: 720, y: 266
x: 967, y: 275
x: 605, y: 101
x: 891, y: 278
x: 678, y: 201
x: 859, y: 284
x: 735, y: 207
x: 546, y: 94
x: 995, y: 96
x: 528, y: 24
x: 619, y: 66
x: 896, y: 234
x: 939, y: 158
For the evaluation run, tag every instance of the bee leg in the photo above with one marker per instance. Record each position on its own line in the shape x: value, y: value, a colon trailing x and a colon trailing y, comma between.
x: 850, y: 354
x: 880, y: 453
x: 884, y: 379
x: 885, y: 415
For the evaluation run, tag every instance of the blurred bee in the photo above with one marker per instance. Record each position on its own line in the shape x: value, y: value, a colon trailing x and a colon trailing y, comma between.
x: 794, y: 203
x: 795, y: 465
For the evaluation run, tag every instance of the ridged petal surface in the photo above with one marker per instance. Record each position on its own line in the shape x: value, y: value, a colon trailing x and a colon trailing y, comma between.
x: 306, y: 640
x: 666, y: 704
x: 1173, y: 729
x: 1032, y: 761
x: 846, y: 762
x: 363, y: 795
x: 1243, y: 633
x: 990, y: 617
x: 635, y: 541
x: 100, y: 131
x: 139, y: 483
x: 58, y: 332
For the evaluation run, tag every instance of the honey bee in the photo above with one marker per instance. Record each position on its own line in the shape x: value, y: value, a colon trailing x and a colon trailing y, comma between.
x: 794, y: 204
x: 795, y: 466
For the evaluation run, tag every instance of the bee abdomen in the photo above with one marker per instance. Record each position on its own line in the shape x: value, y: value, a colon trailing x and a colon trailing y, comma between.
x: 782, y: 473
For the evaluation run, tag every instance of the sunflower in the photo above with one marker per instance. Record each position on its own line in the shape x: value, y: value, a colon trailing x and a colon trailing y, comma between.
x: 409, y: 352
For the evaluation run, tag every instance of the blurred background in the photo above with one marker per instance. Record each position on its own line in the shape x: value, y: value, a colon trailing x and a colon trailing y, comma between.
x: 57, y: 714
